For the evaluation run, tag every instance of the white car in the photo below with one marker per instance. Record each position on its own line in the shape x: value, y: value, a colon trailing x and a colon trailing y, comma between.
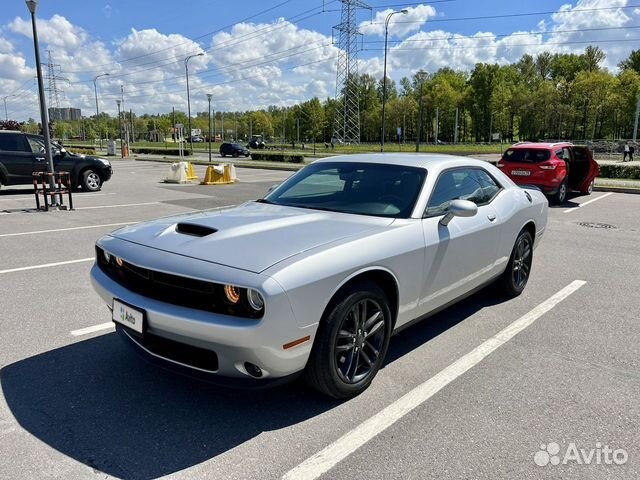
x: 314, y: 278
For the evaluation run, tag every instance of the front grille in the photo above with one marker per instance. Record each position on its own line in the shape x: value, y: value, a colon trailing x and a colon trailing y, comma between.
x: 179, y: 352
x: 172, y: 289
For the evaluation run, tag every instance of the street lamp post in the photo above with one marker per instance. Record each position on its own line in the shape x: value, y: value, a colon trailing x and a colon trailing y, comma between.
x: 119, y: 102
x: 209, y: 99
x: 32, y: 5
x: 95, y: 90
x: 384, y: 79
x: 186, y: 68
x: 6, y: 113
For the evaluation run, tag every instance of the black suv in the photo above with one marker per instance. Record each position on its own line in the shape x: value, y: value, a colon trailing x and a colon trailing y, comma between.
x: 233, y: 149
x: 21, y: 154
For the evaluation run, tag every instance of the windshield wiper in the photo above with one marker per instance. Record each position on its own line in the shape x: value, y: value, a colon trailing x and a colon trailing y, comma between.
x: 264, y: 200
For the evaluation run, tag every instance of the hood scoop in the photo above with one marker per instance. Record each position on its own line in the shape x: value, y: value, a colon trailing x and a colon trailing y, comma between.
x: 194, y: 229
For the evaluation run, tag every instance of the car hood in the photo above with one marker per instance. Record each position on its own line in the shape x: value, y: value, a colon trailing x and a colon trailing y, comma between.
x: 253, y: 236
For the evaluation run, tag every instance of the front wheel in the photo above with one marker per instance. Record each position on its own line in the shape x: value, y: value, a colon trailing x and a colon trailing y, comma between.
x: 516, y: 275
x: 351, y: 342
x: 91, y: 181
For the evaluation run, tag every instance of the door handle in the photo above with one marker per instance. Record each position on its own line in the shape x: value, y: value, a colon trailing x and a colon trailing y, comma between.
x: 492, y: 217
x: 39, y: 159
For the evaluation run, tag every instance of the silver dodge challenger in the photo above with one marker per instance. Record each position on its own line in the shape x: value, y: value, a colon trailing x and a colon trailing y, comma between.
x: 315, y: 277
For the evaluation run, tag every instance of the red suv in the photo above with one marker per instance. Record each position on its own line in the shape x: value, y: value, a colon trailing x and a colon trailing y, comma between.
x: 555, y: 168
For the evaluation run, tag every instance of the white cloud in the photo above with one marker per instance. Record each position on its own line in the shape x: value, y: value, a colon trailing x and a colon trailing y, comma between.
x: 56, y: 32
x: 400, y: 24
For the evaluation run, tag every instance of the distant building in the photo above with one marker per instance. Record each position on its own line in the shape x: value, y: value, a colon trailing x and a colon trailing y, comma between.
x: 64, y: 114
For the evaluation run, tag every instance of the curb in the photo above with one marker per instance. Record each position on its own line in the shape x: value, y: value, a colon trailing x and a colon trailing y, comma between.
x: 611, y: 188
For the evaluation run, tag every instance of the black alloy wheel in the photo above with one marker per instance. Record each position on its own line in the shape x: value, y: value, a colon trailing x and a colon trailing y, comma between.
x: 522, y: 261
x: 359, y: 341
x: 351, y: 341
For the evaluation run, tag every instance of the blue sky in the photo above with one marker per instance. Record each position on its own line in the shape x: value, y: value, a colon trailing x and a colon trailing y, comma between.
x: 281, y: 56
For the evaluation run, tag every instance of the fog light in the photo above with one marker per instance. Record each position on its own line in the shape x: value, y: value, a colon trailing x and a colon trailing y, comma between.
x: 253, y: 370
x: 232, y: 293
x: 255, y: 299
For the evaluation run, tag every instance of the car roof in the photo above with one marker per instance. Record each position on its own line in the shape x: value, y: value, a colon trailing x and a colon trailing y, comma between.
x: 541, y: 145
x: 10, y: 131
x: 421, y: 160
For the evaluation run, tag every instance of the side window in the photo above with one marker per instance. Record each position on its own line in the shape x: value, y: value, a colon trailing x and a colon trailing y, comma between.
x: 566, y: 155
x: 37, y: 146
x: 10, y: 142
x: 489, y: 186
x: 458, y: 184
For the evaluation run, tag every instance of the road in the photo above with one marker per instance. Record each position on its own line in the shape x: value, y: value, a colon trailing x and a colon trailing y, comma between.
x: 473, y: 392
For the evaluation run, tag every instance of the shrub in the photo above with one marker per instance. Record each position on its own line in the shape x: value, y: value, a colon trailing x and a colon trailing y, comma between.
x: 83, y: 149
x: 627, y: 172
x: 277, y: 157
x: 160, y: 151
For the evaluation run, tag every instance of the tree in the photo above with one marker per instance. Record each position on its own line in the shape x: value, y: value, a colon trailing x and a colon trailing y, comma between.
x: 632, y: 62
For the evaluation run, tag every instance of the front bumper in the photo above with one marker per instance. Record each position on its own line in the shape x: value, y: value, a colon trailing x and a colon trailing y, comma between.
x: 234, y: 341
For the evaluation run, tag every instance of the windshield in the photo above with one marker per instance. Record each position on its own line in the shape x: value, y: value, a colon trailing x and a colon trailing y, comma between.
x: 360, y: 188
x: 526, y: 155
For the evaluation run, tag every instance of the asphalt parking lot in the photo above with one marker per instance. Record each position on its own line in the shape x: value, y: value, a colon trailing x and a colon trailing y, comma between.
x: 462, y: 395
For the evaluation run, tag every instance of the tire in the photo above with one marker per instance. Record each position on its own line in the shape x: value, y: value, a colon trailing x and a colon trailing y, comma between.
x: 223, y: 154
x: 589, y: 189
x: 247, y: 155
x: 516, y: 276
x: 236, y: 154
x: 561, y: 195
x: 342, y: 339
x: 90, y: 181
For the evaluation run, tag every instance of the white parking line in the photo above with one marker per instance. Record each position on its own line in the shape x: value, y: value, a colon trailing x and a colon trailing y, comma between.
x: 119, y: 206
x: 93, y: 329
x: 46, y: 265
x: 19, y: 234
x: 569, y: 210
x: 327, y: 458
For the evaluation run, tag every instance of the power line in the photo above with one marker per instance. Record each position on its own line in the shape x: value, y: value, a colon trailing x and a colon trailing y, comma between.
x: 510, y: 15
x: 515, y: 45
x: 502, y: 35
x: 247, y: 36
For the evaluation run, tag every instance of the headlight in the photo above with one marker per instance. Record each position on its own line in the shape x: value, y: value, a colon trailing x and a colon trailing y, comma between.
x: 106, y: 162
x: 106, y: 256
x: 255, y: 299
x: 232, y: 293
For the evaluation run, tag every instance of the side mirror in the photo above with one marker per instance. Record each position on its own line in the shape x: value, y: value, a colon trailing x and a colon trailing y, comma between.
x: 273, y: 187
x: 459, y: 208
x: 42, y: 150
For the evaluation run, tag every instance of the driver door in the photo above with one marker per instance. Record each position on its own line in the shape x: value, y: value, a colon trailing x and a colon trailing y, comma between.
x: 38, y: 158
x: 461, y: 256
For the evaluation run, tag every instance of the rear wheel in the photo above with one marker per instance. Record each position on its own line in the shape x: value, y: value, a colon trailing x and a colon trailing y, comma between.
x: 515, y: 277
x: 351, y: 342
x: 589, y: 189
x: 236, y: 154
x: 561, y: 195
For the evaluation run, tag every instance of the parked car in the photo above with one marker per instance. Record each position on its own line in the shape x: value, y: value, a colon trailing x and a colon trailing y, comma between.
x: 21, y: 154
x: 257, y: 142
x: 316, y: 276
x: 555, y: 168
x: 197, y: 139
x: 233, y: 149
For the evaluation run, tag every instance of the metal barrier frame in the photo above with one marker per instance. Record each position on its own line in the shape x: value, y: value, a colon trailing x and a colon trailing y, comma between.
x: 62, y: 183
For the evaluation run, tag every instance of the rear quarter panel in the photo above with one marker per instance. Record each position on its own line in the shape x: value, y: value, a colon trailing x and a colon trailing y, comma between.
x: 515, y: 211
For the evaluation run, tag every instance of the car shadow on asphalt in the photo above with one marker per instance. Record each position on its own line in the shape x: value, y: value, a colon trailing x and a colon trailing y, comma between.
x: 96, y: 402
x: 429, y: 328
